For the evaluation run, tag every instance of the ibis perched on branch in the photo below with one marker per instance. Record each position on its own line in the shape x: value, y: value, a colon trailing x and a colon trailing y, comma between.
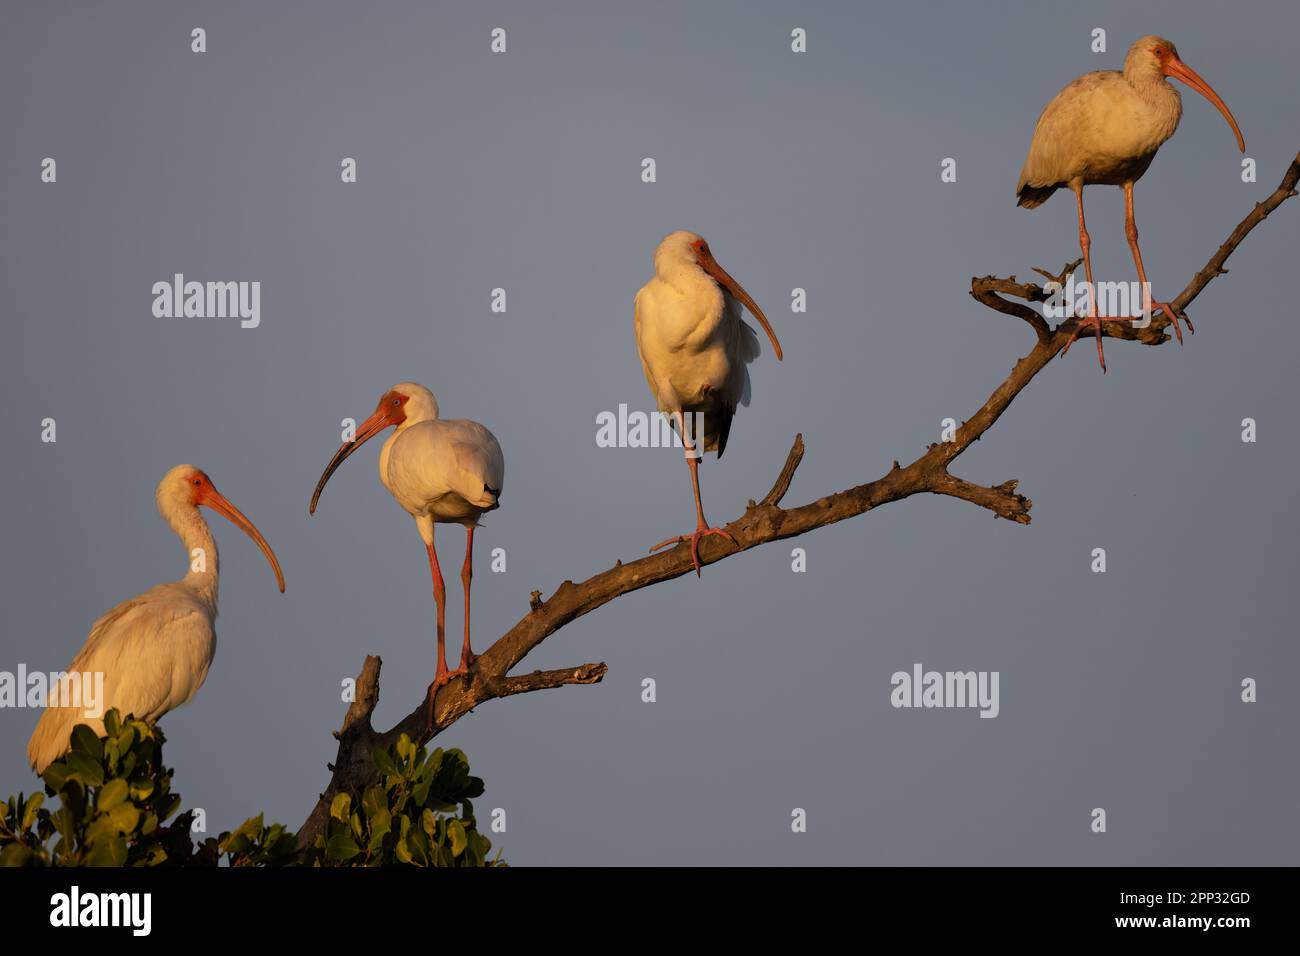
x: 695, y: 349
x: 1105, y: 127
x: 441, y: 471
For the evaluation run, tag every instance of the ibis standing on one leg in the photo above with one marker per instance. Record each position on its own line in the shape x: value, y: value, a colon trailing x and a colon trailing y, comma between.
x: 441, y: 471
x: 1105, y: 127
x: 154, y: 650
x: 695, y: 349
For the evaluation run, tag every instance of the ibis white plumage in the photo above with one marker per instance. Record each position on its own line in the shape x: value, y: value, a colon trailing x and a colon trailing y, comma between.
x: 695, y: 351
x: 154, y: 650
x: 1105, y: 127
x: 441, y: 471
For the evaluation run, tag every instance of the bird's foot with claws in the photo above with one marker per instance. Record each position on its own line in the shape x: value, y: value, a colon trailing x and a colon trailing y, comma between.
x: 1093, y: 322
x: 442, y: 677
x: 1174, y: 315
x: 701, y: 531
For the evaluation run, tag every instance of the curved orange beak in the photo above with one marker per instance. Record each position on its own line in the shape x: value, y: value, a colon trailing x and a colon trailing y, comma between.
x: 710, y: 265
x: 367, y: 430
x: 1181, y: 71
x: 208, y: 495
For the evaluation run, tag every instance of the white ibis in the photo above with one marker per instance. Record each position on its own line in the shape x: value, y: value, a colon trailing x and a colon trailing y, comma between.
x: 441, y: 471
x: 1105, y: 127
x: 154, y: 650
x: 694, y: 349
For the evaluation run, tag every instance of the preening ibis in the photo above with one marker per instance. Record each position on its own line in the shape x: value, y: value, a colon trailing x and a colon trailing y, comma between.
x: 695, y: 349
x: 154, y: 650
x: 1105, y: 127
x: 441, y: 471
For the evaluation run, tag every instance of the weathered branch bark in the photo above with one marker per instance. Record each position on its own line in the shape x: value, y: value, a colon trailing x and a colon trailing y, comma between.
x: 762, y: 522
x: 783, y: 480
x: 541, y: 680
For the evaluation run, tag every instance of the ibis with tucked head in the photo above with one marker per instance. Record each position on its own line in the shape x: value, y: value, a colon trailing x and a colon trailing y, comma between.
x: 695, y: 351
x: 441, y: 471
x: 154, y: 650
x: 1105, y: 127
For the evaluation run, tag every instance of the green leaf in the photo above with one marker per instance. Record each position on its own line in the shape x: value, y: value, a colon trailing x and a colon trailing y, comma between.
x: 404, y: 747
x: 140, y: 790
x: 340, y: 806
x: 125, y: 739
x: 340, y: 848
x: 402, y: 853
x: 380, y: 826
x: 456, y: 830
x: 111, y: 794
x: 383, y: 762
x: 419, y: 846
x: 85, y: 768
x: 33, y: 805
x: 479, y: 847
x: 124, y: 817
x: 173, y: 805
x: 56, y: 774
x: 87, y: 741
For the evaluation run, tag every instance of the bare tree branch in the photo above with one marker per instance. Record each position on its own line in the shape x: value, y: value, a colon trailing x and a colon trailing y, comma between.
x: 762, y: 522
x: 542, y: 680
x: 1001, y: 499
x: 783, y: 480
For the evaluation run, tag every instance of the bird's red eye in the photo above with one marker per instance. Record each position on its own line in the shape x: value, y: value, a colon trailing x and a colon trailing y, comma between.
x: 397, y: 401
x: 197, y: 482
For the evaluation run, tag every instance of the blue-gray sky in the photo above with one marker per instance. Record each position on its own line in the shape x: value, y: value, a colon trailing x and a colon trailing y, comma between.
x: 522, y: 170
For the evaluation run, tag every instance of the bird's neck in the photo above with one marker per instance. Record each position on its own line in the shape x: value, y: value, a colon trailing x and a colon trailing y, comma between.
x: 1157, y: 91
x: 201, y: 553
x: 1162, y: 104
x: 387, y: 449
x: 687, y: 278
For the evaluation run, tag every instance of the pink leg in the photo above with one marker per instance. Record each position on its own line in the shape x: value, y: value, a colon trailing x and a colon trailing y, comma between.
x: 467, y: 657
x: 701, y: 526
x: 441, y: 676
x: 1093, y: 320
x: 1131, y: 230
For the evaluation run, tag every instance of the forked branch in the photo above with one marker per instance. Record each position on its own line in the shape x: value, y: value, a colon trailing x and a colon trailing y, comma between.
x: 763, y: 522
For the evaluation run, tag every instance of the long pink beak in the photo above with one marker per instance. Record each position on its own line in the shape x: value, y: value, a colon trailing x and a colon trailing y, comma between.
x: 1181, y: 71
x: 367, y: 430
x: 217, y: 502
x: 710, y: 265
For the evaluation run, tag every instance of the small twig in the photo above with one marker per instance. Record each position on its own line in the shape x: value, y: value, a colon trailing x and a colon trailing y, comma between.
x: 1001, y: 499
x: 543, y: 680
x: 783, y: 480
x: 1060, y: 277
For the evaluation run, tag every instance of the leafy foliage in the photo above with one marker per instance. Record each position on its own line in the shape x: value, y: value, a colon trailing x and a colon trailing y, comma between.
x: 409, y: 815
x: 116, y: 798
